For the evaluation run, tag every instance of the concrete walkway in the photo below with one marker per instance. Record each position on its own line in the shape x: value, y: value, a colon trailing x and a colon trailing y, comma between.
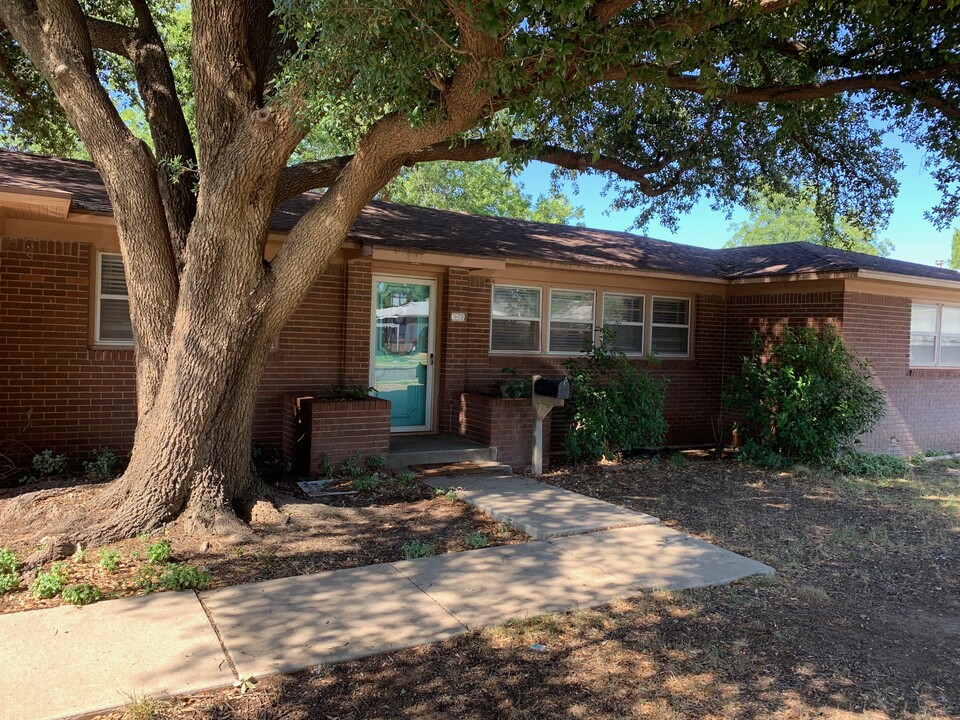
x: 68, y: 661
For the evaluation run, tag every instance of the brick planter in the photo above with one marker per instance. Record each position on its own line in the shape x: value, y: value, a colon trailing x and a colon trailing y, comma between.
x: 503, y: 423
x: 314, y: 426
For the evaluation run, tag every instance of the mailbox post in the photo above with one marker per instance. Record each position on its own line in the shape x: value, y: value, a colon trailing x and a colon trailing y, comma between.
x: 547, y: 394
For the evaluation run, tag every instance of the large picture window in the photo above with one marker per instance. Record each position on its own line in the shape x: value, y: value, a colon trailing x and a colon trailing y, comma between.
x: 623, y: 316
x: 571, y: 320
x: 112, y: 325
x: 934, y: 335
x: 670, y: 326
x: 515, y: 319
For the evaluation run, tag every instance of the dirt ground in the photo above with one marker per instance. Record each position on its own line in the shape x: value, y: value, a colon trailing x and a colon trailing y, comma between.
x: 862, y: 620
x: 306, y: 536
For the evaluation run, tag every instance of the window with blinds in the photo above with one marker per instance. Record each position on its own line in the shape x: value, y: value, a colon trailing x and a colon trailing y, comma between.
x: 113, y: 308
x: 515, y: 319
x: 670, y: 326
x: 623, y: 318
x: 571, y: 320
x: 934, y: 335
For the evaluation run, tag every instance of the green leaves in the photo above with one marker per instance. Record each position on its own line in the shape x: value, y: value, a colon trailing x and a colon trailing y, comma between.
x: 803, y: 398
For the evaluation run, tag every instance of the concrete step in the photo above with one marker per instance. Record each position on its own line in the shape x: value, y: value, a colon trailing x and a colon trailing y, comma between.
x: 436, y: 450
x: 485, y: 467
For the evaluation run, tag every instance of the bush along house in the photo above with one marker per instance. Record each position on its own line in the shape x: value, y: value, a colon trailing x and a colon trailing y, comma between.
x: 425, y: 314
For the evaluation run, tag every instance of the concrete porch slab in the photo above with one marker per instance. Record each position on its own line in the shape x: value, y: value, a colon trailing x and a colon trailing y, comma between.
x: 491, y: 586
x: 292, y: 623
x: 540, y: 510
x: 655, y: 557
x: 407, y: 450
x: 58, y: 662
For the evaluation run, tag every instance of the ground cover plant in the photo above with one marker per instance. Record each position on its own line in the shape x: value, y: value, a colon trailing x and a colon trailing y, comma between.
x: 861, y: 621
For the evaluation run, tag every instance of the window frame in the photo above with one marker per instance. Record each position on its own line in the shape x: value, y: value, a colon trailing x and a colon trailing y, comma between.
x: 539, y: 320
x: 593, y: 321
x: 98, y: 307
x: 642, y: 324
x: 937, y: 336
x: 687, y: 326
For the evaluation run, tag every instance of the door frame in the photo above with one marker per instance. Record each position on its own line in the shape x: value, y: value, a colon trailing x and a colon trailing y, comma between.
x: 429, y: 414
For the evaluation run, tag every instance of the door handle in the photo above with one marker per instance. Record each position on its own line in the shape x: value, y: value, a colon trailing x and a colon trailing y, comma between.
x: 431, y: 359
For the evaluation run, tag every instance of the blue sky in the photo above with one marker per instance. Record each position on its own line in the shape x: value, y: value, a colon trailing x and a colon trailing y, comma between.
x: 914, y: 237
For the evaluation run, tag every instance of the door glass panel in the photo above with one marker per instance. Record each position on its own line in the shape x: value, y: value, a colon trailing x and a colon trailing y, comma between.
x: 401, y: 347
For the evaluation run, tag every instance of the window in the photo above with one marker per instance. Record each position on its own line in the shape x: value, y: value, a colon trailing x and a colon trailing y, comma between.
x: 623, y: 315
x: 571, y: 320
x: 670, y: 326
x: 112, y: 325
x: 934, y: 335
x: 515, y: 319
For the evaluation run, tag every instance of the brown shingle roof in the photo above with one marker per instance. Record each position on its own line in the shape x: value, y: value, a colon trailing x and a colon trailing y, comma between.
x: 425, y: 229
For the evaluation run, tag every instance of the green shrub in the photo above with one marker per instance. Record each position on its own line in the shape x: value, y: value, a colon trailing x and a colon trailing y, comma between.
x: 9, y: 581
x: 869, y: 465
x: 476, y: 540
x: 109, y: 559
x: 365, y: 483
x: 160, y: 552
x: 183, y: 577
x: 8, y: 561
x: 376, y: 462
x: 81, y: 594
x: 804, y: 398
x: 48, y: 584
x: 679, y: 460
x: 616, y: 405
x: 418, y: 549
x: 104, y: 466
x: 46, y: 463
x: 515, y: 385
x: 404, y: 478
x: 352, y: 467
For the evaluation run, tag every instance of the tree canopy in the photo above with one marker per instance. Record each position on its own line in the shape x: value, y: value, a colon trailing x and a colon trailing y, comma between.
x: 955, y: 250
x: 777, y: 218
x: 481, y: 188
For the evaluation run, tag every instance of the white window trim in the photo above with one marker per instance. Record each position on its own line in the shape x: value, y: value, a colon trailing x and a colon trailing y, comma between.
x: 593, y: 321
x: 642, y: 324
x: 937, y: 336
x: 109, y: 296
x: 689, y: 301
x: 538, y: 320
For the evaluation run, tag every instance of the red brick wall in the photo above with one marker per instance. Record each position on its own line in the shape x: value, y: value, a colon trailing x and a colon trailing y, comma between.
x: 503, y: 423
x: 923, y: 405
x: 55, y: 391
x: 342, y: 428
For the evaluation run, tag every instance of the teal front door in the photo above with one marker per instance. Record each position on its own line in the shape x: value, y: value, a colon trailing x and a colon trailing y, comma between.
x: 401, y: 368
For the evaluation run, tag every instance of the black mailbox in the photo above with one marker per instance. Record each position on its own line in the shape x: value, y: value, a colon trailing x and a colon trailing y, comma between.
x: 545, y: 387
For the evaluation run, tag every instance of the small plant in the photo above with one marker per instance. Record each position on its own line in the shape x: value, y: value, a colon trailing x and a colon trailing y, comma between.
x: 352, y: 467
x: 104, y: 465
x: 418, y: 549
x: 324, y: 467
x: 8, y: 561
x: 49, y: 584
x: 183, y: 577
x: 46, y: 463
x: 146, y: 578
x: 476, y: 540
x: 245, y: 684
x: 144, y: 707
x: 160, y: 552
x: 9, y: 581
x: 109, y: 559
x: 515, y: 385
x: 351, y: 391
x: 616, y: 404
x: 79, y: 555
x: 366, y: 483
x: 376, y: 463
x: 82, y: 594
x: 404, y: 478
x: 679, y: 460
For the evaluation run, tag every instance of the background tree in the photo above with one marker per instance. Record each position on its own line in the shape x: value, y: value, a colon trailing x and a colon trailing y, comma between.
x: 955, y: 250
x: 675, y: 101
x: 778, y: 218
x: 481, y: 188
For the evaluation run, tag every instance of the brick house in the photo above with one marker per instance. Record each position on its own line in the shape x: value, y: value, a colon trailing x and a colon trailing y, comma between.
x: 428, y: 307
